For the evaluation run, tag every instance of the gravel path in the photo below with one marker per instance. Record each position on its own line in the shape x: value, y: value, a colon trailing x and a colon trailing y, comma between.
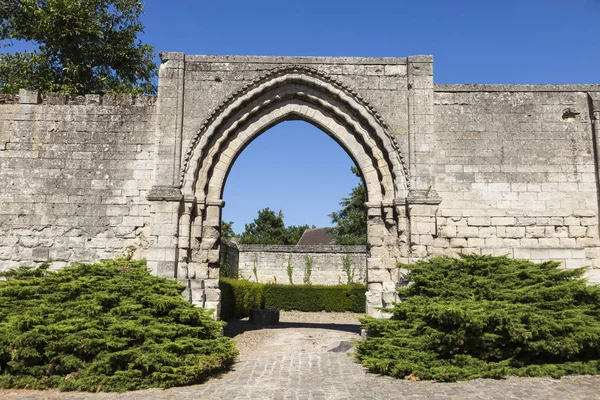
x: 309, y: 356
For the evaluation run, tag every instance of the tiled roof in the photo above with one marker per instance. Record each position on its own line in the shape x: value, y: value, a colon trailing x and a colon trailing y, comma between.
x: 316, y: 236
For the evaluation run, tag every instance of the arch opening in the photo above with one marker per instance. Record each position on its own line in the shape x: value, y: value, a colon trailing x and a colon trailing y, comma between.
x: 297, y: 170
x: 294, y: 167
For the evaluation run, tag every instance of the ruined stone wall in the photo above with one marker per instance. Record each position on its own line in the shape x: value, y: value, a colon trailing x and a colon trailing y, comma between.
x: 500, y: 169
x: 328, y: 263
x: 515, y: 168
x: 74, y: 173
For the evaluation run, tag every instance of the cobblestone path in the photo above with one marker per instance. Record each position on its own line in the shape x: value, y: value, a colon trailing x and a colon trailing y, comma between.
x: 294, y: 360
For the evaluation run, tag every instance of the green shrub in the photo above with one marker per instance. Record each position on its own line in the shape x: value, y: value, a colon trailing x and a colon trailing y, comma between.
x: 238, y: 296
x: 315, y: 297
x: 109, y: 326
x: 484, y: 316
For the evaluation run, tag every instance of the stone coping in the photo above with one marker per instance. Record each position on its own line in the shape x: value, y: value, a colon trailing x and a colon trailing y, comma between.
x: 515, y: 88
x: 265, y: 248
x: 294, y: 59
x: 109, y: 99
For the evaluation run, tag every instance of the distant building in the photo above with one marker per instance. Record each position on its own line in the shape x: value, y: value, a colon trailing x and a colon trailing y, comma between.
x: 316, y: 236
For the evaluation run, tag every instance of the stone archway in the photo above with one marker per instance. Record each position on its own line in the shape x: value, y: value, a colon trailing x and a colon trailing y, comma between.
x: 188, y: 216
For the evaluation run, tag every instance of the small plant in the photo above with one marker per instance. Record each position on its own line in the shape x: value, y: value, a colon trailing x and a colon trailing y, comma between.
x: 290, y: 269
x: 225, y: 270
x: 255, y: 272
x: 308, y: 265
x: 348, y: 268
x: 428, y: 192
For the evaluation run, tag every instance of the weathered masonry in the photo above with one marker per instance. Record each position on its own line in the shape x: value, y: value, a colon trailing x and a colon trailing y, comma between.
x: 329, y: 265
x: 502, y: 169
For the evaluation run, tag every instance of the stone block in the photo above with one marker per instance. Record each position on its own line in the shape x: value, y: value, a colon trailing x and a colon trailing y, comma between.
x: 475, y: 242
x: 522, y: 253
x: 373, y: 299
x: 577, y: 263
x: 503, y: 221
x: 568, y: 242
x: 515, y: 232
x: 419, y: 251
x: 592, y: 253
x: 559, y: 253
x: 379, y: 275
x: 467, y: 231
x: 487, y: 232
x: 535, y: 231
x: 441, y: 243
x: 29, y: 96
x: 577, y: 231
x: 375, y: 286
x: 588, y: 221
x: 549, y: 242
x: 40, y: 254
x: 541, y: 254
x: 479, y: 221
x: 572, y: 221
x: 447, y: 231
x: 389, y: 298
x: 458, y: 242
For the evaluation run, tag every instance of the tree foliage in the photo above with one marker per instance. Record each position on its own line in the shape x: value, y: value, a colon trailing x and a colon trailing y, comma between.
x: 484, y: 316
x: 227, y: 232
x: 269, y: 228
x: 109, y: 326
x: 83, y: 46
x: 350, y: 223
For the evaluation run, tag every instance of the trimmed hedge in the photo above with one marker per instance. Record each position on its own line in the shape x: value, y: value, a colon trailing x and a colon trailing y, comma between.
x: 315, y: 297
x: 239, y: 296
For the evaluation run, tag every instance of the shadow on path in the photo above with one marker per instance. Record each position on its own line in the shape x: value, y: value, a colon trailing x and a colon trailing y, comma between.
x: 236, y: 327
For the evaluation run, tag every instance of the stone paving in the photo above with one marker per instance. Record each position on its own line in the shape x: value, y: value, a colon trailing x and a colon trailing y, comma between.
x: 311, y: 371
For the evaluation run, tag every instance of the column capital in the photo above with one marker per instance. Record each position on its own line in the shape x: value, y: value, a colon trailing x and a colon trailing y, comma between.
x: 215, y: 202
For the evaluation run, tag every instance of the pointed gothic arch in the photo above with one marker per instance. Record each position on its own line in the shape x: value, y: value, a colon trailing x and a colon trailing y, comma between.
x: 293, y: 93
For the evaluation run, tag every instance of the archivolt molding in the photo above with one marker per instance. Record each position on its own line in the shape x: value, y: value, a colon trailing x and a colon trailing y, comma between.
x: 274, y: 77
x: 303, y: 106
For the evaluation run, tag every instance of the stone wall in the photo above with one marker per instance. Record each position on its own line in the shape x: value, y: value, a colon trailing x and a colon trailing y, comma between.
x: 515, y: 167
x: 74, y: 172
x: 501, y: 169
x: 271, y: 263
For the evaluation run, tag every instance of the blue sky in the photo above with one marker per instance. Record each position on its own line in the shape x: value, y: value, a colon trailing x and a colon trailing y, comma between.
x: 297, y: 168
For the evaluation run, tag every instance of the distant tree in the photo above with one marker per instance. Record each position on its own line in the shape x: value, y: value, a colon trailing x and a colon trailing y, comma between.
x: 227, y: 232
x: 83, y: 46
x: 269, y: 228
x: 295, y: 232
x: 351, y: 221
